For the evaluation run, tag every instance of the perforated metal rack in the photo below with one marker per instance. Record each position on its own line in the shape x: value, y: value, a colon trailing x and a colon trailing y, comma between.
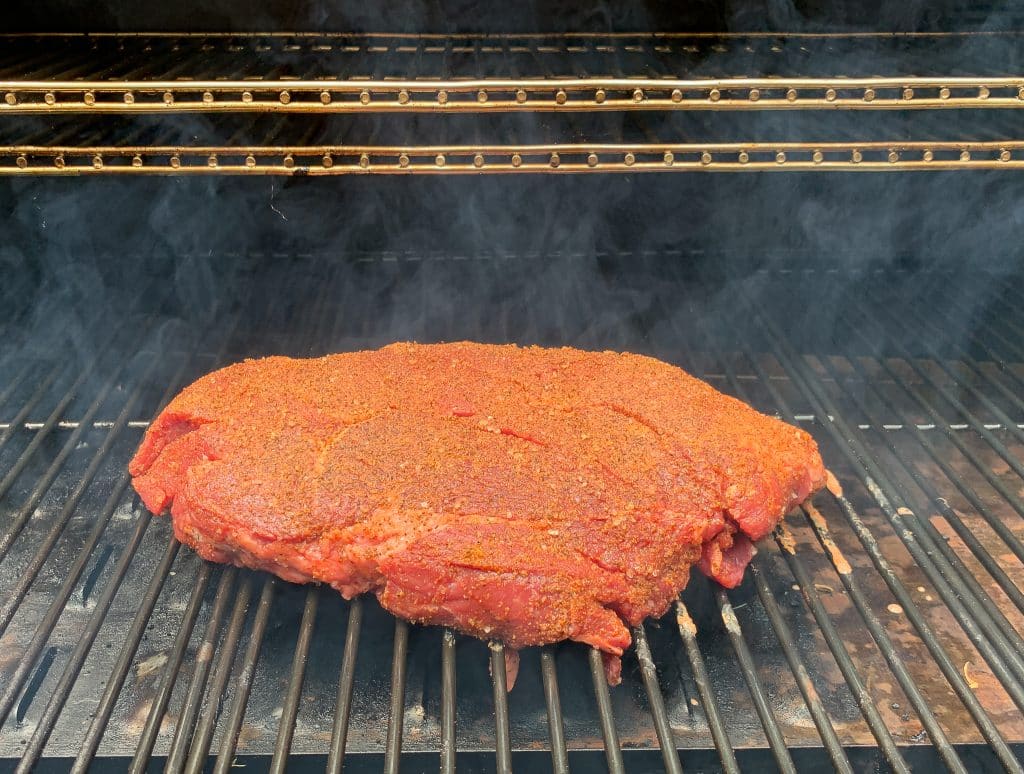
x: 879, y: 626
x: 300, y: 76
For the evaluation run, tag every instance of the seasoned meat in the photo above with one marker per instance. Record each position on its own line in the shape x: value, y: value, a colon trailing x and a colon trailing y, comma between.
x: 526, y: 495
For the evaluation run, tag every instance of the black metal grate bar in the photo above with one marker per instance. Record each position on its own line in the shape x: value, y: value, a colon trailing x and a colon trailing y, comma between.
x: 688, y: 633
x: 499, y: 684
x: 768, y: 721
x: 448, y: 738
x: 291, y: 702
x: 612, y: 748
x: 26, y: 409
x: 833, y: 745
x: 649, y: 674
x: 553, y: 702
x: 396, y: 715
x: 343, y: 710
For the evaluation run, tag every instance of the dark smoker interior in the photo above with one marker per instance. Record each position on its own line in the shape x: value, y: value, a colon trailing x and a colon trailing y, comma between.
x: 880, y: 311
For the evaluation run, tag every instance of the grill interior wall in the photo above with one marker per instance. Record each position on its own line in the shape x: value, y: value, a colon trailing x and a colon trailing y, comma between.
x: 137, y: 280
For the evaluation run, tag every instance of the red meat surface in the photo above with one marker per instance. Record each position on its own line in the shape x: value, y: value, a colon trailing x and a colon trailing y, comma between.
x: 525, y: 495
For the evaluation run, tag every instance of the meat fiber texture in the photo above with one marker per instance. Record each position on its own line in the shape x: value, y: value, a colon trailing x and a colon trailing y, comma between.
x: 524, y: 495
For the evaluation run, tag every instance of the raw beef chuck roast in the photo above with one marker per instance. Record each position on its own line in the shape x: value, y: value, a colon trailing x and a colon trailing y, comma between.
x: 526, y: 495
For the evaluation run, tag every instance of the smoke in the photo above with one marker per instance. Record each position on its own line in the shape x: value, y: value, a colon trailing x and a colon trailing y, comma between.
x: 619, y: 261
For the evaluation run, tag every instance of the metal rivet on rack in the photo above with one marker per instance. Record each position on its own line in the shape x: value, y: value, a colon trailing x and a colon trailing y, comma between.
x: 677, y: 95
x: 754, y: 95
x: 791, y: 95
x: 403, y: 97
x: 561, y: 96
x: 521, y: 96
x: 830, y: 95
x: 600, y: 95
x: 97, y: 161
x: 207, y: 97
x: 136, y: 160
x: 893, y: 156
x: 743, y: 157
x: 481, y: 96
x: 289, y: 162
x: 58, y: 161
x: 669, y: 158
x: 21, y: 161
x: 250, y: 161
x: 168, y: 98
x: 780, y: 157
x: 1004, y: 154
x: 364, y: 160
x: 983, y: 92
x: 908, y: 93
x: 327, y: 161
x: 869, y: 95
x: 211, y: 160
x: 818, y: 156
x: 364, y: 97
x: 555, y: 160
x: 285, y: 97
x: 325, y: 98
x: 50, y: 98
x: 246, y: 97
x: 927, y: 155
x: 630, y: 159
x: 638, y: 95
x: 11, y: 98
x: 478, y: 160
x: 1020, y: 93
x: 944, y: 92
x: 517, y: 160
x: 965, y: 155
x: 714, y: 95
x: 705, y: 158
x: 175, y: 161
x: 442, y: 97
x: 129, y: 98
x: 89, y: 98
x: 592, y: 160
x: 403, y: 160
x: 440, y: 160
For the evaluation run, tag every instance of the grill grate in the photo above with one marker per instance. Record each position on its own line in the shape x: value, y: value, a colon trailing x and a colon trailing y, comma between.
x: 883, y: 623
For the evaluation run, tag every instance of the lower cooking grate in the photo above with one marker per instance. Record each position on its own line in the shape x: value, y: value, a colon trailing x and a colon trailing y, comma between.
x: 880, y: 627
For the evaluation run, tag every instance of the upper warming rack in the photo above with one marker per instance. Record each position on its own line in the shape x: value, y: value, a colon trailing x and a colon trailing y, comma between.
x: 796, y: 101
x: 318, y: 72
